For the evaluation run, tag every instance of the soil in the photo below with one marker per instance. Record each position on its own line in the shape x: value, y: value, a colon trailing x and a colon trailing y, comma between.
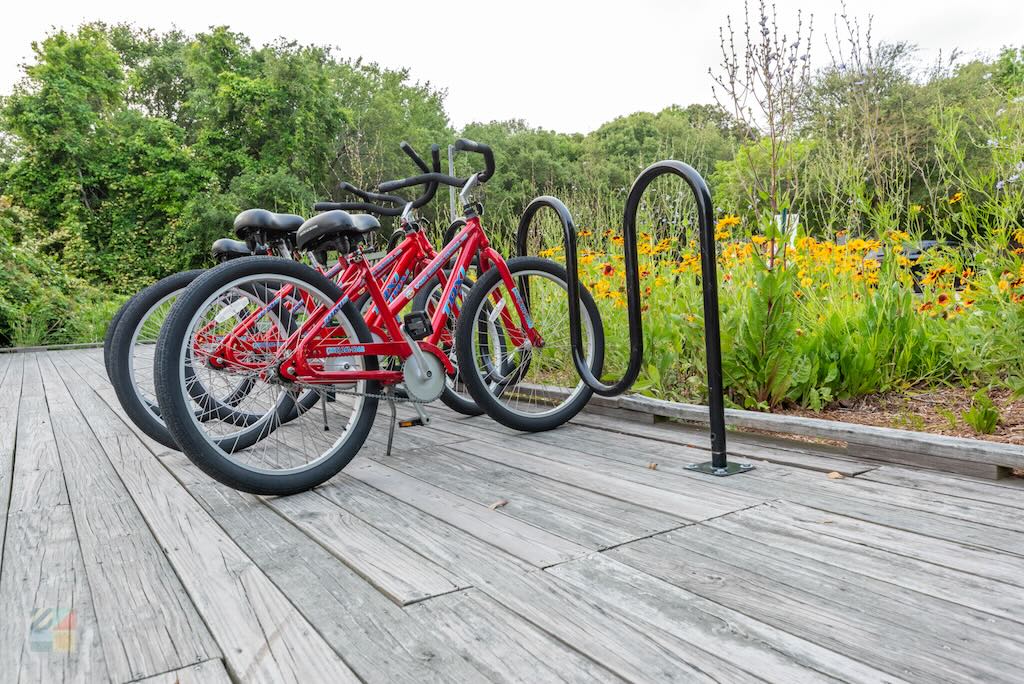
x: 927, y: 411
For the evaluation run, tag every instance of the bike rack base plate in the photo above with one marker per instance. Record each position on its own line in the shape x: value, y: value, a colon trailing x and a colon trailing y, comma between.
x: 730, y: 468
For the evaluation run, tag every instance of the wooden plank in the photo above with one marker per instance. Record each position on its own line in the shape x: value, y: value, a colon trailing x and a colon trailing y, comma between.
x: 96, y: 380
x: 43, y: 579
x: 894, y: 634
x: 206, y: 672
x: 958, y: 448
x: 948, y: 486
x: 741, y: 446
x: 448, y: 547
x: 599, y: 630
x: 147, y: 623
x: 687, y: 498
x: 621, y: 456
x: 580, y: 621
x: 262, y: 635
x: 10, y: 398
x: 359, y: 621
x: 586, y: 518
x: 960, y: 556
x: 923, y: 459
x: 955, y: 508
x: 771, y: 525
x: 523, y: 540
x: 514, y: 650
x: 846, y: 502
x: 10, y: 351
x: 900, y: 508
x: 762, y: 650
x: 397, y: 571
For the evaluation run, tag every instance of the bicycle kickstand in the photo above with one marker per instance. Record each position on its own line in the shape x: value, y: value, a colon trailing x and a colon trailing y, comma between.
x: 394, y: 420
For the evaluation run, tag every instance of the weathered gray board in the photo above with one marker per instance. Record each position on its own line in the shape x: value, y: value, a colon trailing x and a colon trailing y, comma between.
x: 975, y: 457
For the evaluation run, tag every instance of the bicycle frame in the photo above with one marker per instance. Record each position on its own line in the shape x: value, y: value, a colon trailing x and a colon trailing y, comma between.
x: 408, y: 257
x: 317, y: 340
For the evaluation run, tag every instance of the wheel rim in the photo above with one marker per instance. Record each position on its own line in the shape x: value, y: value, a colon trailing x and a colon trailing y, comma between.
x: 530, y: 382
x: 284, y: 446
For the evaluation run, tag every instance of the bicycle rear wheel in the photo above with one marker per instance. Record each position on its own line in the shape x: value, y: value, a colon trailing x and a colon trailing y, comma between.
x: 108, y: 337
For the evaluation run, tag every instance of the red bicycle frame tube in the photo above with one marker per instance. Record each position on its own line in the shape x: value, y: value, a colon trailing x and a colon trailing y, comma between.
x: 316, y: 340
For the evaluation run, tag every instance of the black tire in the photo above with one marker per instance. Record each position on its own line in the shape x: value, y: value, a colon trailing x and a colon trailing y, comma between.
x: 452, y: 399
x: 477, y: 385
x: 178, y: 414
x: 143, y: 410
x: 396, y: 237
x: 144, y: 413
x: 108, y: 338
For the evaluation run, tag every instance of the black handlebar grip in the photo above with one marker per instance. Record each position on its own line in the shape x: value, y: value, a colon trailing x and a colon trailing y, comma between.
x: 358, y: 206
x: 465, y: 145
x: 407, y: 148
x: 442, y: 178
x: 435, y: 156
x: 370, y: 196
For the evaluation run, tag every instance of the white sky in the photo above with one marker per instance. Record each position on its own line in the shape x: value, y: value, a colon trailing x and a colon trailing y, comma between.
x: 568, y: 66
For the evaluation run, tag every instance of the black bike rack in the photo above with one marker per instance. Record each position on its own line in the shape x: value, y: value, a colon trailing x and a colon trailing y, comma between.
x: 719, y: 464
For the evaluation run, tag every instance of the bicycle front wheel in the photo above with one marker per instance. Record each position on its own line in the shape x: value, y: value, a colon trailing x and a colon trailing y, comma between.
x: 287, y: 450
x: 522, y: 386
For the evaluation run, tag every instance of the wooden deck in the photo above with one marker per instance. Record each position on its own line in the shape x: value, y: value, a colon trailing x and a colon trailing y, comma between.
x: 474, y: 553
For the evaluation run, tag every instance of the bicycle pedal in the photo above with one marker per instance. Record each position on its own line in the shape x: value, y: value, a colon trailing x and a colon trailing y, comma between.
x: 417, y: 325
x: 412, y: 422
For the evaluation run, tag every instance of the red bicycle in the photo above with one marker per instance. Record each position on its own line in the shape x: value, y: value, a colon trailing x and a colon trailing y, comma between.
x: 511, y: 343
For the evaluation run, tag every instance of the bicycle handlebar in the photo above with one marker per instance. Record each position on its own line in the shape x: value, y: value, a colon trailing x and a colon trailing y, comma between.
x: 358, y: 206
x: 372, y: 198
x: 407, y: 148
x: 464, y: 145
x: 432, y: 178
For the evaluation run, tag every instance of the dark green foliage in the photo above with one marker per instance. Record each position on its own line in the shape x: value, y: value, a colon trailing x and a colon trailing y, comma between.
x: 135, y: 149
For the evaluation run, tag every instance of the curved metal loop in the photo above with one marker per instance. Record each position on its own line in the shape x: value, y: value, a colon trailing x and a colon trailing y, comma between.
x: 709, y: 281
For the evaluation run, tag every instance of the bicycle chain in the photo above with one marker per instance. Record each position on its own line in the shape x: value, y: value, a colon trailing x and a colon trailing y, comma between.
x: 386, y: 396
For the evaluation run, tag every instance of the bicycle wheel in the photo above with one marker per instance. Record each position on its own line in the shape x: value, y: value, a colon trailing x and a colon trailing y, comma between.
x: 519, y: 385
x: 455, y: 395
x: 108, y: 337
x: 131, y: 365
x: 292, y: 451
x: 133, y: 342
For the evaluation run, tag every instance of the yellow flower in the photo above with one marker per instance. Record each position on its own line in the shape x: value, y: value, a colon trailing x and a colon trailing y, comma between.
x: 548, y: 253
x: 584, y: 233
x: 722, y: 234
x: 1003, y: 286
x: 806, y: 282
x: 916, y: 208
x: 727, y: 221
x: 957, y: 196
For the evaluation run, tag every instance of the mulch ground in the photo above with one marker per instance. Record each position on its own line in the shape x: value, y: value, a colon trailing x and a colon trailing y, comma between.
x: 928, y: 411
